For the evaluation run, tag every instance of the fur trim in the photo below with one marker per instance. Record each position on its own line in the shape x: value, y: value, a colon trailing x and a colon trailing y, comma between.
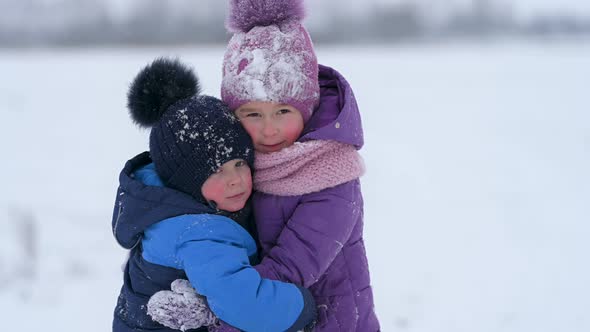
x: 246, y: 14
x: 158, y: 86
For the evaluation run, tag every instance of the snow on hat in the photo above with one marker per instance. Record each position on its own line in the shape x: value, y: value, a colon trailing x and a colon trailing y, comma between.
x: 270, y: 57
x: 192, y: 135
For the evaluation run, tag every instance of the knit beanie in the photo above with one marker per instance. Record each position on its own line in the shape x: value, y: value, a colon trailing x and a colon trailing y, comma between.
x: 192, y: 135
x: 270, y: 57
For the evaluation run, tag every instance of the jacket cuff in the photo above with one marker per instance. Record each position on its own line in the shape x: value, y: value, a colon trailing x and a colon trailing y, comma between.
x: 308, y: 313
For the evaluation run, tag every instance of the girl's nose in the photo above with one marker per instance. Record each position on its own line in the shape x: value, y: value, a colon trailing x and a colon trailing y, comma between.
x: 269, y: 129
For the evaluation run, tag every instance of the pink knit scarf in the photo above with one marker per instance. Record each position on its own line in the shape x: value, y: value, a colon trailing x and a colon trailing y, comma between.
x: 307, y: 167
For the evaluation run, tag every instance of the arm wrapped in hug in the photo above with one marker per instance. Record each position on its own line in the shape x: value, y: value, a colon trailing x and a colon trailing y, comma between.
x: 214, y: 251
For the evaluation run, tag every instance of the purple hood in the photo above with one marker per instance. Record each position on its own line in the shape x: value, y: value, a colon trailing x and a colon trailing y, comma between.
x: 315, y: 240
x: 337, y: 117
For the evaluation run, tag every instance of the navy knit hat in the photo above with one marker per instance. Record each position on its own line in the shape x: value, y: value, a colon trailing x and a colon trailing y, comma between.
x: 192, y: 135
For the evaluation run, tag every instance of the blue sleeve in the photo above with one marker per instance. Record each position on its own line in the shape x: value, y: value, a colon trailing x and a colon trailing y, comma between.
x: 213, y: 251
x: 162, y: 240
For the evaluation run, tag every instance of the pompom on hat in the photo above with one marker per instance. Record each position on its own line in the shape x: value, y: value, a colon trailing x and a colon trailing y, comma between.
x: 270, y: 57
x: 192, y: 135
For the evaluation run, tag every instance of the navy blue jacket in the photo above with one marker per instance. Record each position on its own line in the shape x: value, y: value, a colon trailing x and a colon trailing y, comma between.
x: 172, y: 236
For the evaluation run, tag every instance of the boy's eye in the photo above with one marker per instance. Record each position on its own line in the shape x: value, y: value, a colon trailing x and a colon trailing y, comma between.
x: 252, y: 115
x: 284, y: 111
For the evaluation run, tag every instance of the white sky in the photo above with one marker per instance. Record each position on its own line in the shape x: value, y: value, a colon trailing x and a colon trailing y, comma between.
x: 522, y: 8
x: 529, y: 7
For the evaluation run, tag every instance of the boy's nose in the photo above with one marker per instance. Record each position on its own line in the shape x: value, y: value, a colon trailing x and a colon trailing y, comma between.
x: 233, y: 179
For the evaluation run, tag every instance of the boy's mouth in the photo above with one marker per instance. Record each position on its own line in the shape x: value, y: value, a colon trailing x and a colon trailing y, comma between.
x: 236, y: 196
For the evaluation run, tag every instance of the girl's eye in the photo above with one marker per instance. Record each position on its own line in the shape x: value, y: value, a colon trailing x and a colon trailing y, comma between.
x: 240, y: 163
x: 252, y: 115
x: 284, y: 111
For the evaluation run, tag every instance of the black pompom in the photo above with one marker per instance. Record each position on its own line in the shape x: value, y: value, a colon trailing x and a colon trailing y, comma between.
x: 158, y: 86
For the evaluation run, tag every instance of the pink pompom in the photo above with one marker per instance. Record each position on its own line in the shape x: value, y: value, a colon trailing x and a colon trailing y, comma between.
x: 246, y: 14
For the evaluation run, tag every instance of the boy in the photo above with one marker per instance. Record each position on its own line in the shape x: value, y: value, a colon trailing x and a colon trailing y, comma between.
x: 183, y: 210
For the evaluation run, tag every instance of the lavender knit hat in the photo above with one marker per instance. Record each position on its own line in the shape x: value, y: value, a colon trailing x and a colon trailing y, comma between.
x: 270, y: 57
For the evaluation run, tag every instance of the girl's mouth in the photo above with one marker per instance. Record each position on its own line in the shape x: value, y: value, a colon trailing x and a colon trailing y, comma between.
x: 272, y: 146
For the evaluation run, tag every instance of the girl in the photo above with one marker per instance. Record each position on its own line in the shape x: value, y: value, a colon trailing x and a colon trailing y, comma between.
x: 306, y: 129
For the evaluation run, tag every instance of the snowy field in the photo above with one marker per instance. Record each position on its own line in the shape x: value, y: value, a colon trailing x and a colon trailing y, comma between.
x: 477, y: 191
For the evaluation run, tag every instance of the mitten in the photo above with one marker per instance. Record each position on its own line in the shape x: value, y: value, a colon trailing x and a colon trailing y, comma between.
x: 181, y: 308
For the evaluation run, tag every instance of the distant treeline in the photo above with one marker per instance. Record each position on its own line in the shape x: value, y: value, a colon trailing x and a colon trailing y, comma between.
x: 89, y: 22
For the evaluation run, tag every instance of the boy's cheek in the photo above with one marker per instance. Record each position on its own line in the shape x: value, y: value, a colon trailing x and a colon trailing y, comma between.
x: 212, y: 192
x: 248, y: 183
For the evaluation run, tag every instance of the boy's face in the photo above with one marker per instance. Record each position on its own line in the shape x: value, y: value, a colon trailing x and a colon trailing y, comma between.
x: 230, y: 187
x: 271, y: 126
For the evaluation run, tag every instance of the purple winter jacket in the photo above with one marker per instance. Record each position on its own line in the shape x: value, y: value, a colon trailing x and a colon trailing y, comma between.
x: 316, y: 240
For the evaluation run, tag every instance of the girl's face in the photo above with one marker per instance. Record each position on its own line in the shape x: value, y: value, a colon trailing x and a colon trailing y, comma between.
x: 229, y: 187
x: 271, y: 126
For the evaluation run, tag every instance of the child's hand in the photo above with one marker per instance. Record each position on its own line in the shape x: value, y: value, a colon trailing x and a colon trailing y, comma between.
x: 181, y: 308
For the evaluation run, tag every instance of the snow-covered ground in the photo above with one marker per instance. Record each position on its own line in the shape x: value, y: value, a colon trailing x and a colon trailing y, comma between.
x: 477, y: 193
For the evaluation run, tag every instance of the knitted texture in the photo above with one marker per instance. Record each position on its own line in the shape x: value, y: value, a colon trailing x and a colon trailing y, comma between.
x: 193, y: 139
x: 305, y: 168
x: 181, y: 308
x: 274, y: 61
x: 192, y: 135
